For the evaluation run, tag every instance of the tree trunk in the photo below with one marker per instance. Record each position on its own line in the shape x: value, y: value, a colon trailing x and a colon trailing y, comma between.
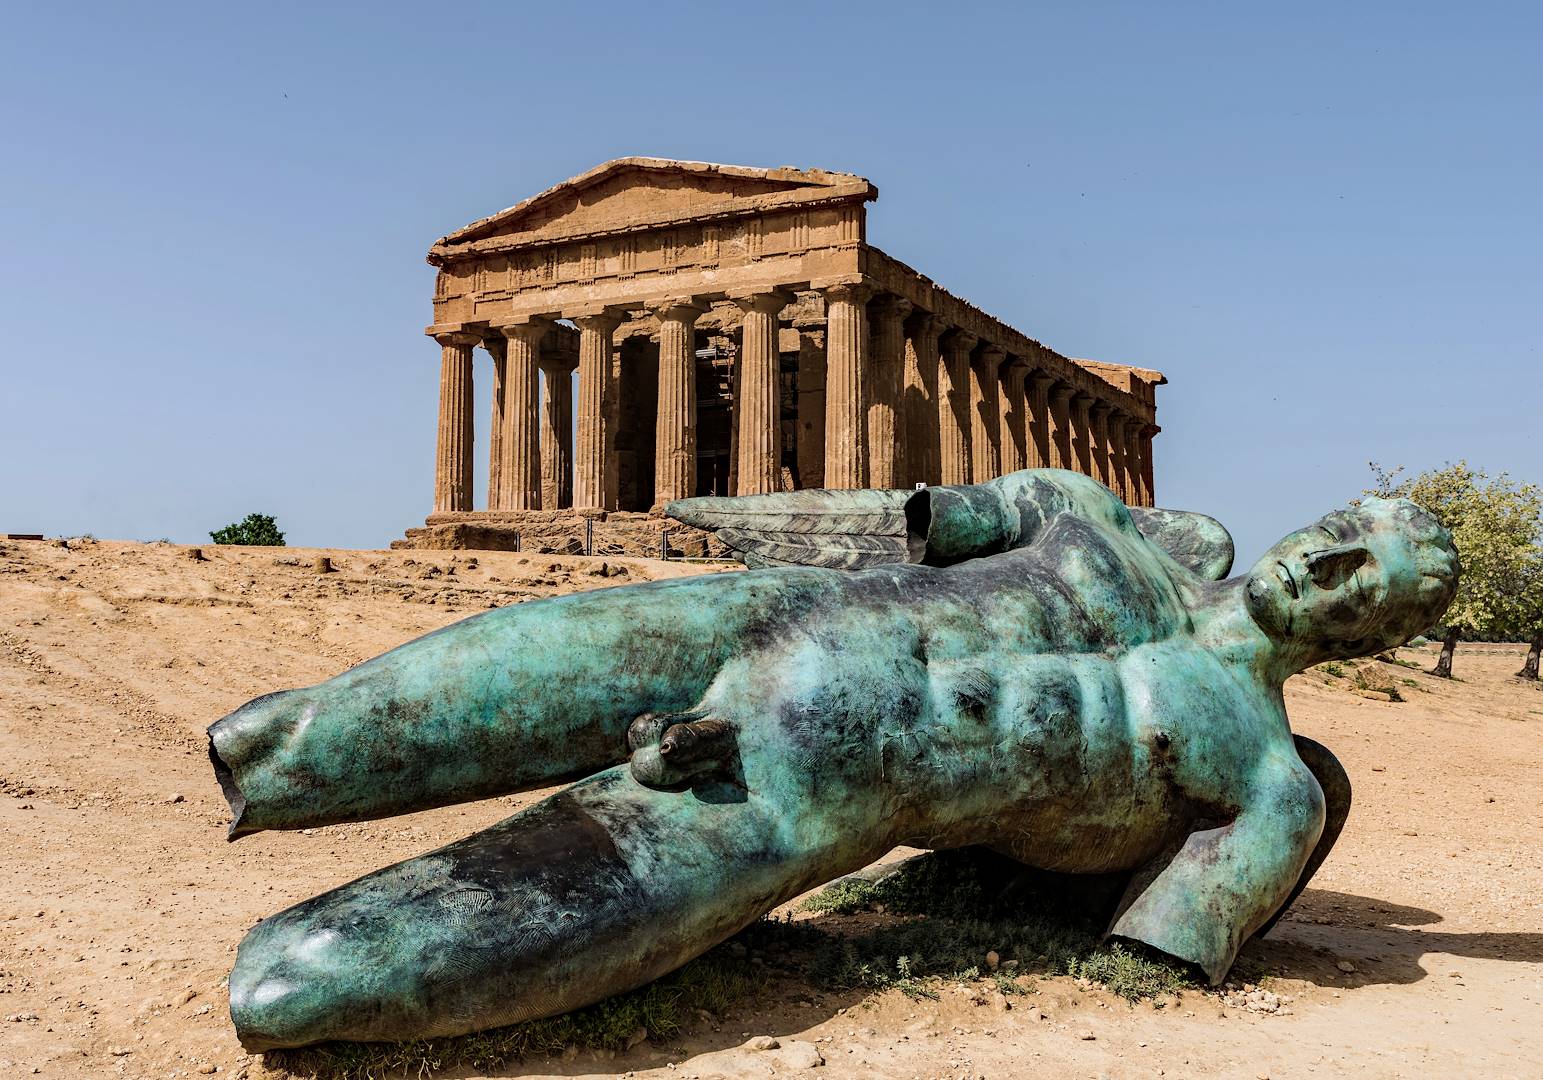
x: 1530, y: 668
x: 1443, y: 668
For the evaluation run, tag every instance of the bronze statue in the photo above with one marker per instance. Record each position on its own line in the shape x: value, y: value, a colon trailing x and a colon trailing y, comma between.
x: 1025, y: 664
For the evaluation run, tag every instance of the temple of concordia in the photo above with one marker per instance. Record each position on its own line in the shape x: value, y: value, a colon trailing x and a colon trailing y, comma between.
x: 733, y: 332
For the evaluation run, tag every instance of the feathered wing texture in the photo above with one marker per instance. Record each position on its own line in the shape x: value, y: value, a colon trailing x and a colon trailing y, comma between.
x: 1196, y: 542
x: 853, y: 529
x: 843, y: 529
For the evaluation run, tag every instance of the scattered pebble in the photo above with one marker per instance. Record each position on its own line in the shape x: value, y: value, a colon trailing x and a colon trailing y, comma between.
x: 1346, y: 966
x: 1087, y: 1036
x: 763, y: 1042
x: 176, y: 797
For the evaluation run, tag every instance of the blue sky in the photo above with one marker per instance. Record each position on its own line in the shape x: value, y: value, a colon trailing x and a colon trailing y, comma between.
x: 1321, y: 221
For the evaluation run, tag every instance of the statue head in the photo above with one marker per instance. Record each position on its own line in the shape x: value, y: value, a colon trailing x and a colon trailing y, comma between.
x: 1355, y: 581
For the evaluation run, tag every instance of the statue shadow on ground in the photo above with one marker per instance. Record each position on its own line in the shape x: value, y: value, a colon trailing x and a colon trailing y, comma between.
x: 1384, y: 941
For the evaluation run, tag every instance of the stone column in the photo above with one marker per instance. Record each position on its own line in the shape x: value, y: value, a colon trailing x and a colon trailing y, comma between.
x: 1061, y: 456
x: 1118, y: 477
x: 887, y: 434
x: 757, y: 397
x: 452, y: 455
x: 1039, y: 426
x: 811, y: 407
x: 1148, y: 486
x: 520, y: 439
x: 1013, y: 423
x: 1081, y: 436
x: 954, y: 407
x: 986, y: 413
x: 923, y: 361
x: 592, y: 484
x: 494, y: 344
x: 556, y: 434
x: 675, y: 428
x: 1098, y: 442
x: 846, y: 361
x: 1132, y: 441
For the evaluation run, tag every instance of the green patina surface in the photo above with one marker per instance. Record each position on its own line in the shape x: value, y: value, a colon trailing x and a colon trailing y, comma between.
x: 1048, y: 677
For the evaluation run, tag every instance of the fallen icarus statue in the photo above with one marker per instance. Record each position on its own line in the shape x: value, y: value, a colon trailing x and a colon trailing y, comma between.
x: 1025, y: 664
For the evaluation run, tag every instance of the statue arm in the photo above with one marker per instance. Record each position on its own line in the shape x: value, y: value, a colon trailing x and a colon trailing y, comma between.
x: 1202, y: 902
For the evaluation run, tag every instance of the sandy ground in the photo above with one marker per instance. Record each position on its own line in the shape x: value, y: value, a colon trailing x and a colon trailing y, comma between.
x: 121, y: 903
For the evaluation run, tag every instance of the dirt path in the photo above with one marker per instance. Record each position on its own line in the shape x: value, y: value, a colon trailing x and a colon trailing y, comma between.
x: 122, y: 904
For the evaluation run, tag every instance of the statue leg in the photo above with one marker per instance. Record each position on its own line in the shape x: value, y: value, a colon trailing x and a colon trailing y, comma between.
x: 1202, y: 902
x: 598, y: 889
x: 518, y: 698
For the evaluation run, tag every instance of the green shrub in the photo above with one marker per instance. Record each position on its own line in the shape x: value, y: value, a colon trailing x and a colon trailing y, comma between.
x: 255, y: 530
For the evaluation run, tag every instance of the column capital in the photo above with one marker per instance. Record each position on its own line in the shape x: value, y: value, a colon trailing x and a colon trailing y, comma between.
x: 687, y: 309
x: 766, y: 301
x: 961, y: 340
x: 888, y: 305
x: 602, y: 321
x: 457, y: 337
x: 852, y: 292
x: 925, y: 324
x: 1100, y: 407
x: 528, y: 329
x: 1060, y: 391
x: 991, y: 355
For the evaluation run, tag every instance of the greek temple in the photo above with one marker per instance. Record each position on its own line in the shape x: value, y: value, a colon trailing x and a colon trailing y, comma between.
x: 734, y: 332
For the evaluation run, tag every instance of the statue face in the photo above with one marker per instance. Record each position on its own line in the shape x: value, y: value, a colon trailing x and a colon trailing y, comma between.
x: 1356, y: 580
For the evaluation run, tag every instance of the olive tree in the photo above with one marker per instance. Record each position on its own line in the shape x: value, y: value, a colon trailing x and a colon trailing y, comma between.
x: 1497, y: 526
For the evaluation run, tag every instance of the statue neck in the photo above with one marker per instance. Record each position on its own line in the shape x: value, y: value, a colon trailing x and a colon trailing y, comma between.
x: 1223, y: 626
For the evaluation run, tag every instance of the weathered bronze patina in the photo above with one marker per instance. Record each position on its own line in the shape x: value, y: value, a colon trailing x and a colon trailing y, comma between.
x: 1028, y: 667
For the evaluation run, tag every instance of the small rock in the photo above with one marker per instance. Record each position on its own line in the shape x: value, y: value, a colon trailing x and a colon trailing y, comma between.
x: 176, y: 797
x: 999, y: 1002
x: 119, y: 1051
x: 638, y: 1036
x: 322, y: 564
x: 1087, y: 1036
x: 201, y: 1010
x: 796, y: 1054
x: 993, y: 960
x: 185, y: 997
x: 763, y: 1042
x: 207, y: 1069
x: 1346, y: 966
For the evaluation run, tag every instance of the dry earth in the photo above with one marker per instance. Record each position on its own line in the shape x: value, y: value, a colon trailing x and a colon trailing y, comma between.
x: 121, y: 904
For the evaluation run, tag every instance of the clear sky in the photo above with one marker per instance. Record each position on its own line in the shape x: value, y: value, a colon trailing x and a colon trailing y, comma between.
x: 1322, y: 221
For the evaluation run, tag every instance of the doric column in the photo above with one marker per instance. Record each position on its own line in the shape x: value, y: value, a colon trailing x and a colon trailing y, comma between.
x: 675, y: 427
x: 1118, y: 477
x: 1131, y: 436
x: 1148, y: 486
x: 887, y: 434
x: 1082, y: 441
x: 452, y: 455
x: 1014, y: 425
x: 592, y: 460
x: 1098, y: 442
x: 923, y: 361
x: 1061, y: 455
x: 954, y: 407
x: 1039, y: 425
x: 811, y: 407
x: 520, y: 438
x: 985, y: 413
x: 846, y: 360
x: 494, y: 344
x: 556, y: 434
x: 757, y: 397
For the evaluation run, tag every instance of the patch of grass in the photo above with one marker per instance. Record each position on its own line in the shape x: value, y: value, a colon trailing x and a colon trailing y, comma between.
x: 1132, y: 973
x: 1332, y: 669
x: 714, y: 982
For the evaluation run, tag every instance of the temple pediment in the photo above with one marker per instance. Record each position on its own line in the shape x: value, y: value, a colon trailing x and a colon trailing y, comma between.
x: 636, y: 193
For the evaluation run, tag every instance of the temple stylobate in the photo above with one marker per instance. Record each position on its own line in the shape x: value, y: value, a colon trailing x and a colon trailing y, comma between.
x: 734, y: 332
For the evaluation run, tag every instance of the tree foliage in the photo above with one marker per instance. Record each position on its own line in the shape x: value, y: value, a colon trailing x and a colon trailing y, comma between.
x: 257, y: 530
x: 1497, y: 526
